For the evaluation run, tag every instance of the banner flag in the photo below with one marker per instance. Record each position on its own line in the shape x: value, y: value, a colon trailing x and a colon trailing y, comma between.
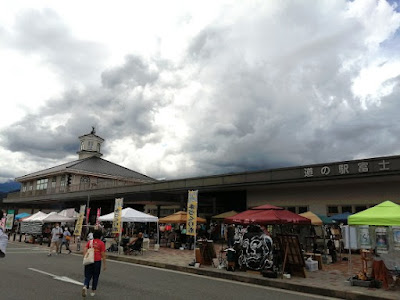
x: 87, y: 215
x: 116, y: 227
x: 191, y: 222
x: 3, y: 223
x: 10, y: 219
x: 97, y: 217
x: 79, y: 222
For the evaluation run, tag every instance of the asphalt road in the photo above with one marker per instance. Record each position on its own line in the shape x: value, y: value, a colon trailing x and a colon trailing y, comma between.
x: 28, y: 273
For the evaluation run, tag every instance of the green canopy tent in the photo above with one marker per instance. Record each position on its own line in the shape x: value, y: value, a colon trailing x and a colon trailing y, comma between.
x: 386, y: 213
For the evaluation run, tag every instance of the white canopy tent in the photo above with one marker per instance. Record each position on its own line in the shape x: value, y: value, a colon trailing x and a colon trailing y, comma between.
x: 132, y: 215
x: 55, y: 217
x: 70, y: 213
x: 37, y: 217
x: 48, y: 218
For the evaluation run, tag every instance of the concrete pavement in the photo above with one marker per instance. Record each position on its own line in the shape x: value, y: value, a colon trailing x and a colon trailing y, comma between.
x: 331, y: 281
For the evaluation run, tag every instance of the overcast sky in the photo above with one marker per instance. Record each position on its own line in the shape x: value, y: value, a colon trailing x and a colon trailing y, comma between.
x: 189, y: 88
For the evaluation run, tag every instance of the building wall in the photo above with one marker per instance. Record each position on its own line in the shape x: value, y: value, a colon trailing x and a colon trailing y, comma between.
x: 319, y: 198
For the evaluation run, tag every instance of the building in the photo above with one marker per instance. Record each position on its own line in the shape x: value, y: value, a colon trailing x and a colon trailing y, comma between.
x: 326, y: 189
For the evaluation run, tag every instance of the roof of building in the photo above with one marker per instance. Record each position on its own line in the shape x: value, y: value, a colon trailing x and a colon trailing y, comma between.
x: 92, y: 164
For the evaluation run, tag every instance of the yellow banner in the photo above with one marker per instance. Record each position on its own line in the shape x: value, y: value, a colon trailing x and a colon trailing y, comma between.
x: 191, y: 222
x: 116, y: 227
x: 79, y: 222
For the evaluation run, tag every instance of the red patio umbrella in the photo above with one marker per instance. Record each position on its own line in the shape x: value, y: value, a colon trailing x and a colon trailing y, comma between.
x: 267, y: 214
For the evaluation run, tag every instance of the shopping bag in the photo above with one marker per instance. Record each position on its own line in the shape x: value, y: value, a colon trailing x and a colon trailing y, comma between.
x: 89, y: 256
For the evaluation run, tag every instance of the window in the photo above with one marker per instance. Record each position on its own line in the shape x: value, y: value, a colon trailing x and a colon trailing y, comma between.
x: 332, y: 210
x: 347, y: 209
x: 90, y: 145
x: 30, y: 186
x: 24, y: 187
x: 303, y: 209
x: 98, y: 147
x: 360, y: 208
x: 85, y: 179
x: 292, y: 209
x: 41, y: 184
x: 82, y: 146
x: 53, y: 182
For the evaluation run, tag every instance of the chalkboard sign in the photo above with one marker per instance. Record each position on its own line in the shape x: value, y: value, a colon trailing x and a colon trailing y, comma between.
x: 293, y: 259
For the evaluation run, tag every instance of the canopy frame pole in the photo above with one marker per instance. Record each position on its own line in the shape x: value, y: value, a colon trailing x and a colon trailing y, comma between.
x: 158, y: 234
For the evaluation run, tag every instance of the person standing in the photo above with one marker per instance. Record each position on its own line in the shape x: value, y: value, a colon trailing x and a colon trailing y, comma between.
x: 56, y: 233
x: 231, y: 236
x: 92, y: 271
x: 3, y: 239
x: 65, y: 240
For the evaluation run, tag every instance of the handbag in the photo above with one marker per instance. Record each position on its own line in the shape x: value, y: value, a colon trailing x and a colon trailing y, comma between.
x: 89, y: 256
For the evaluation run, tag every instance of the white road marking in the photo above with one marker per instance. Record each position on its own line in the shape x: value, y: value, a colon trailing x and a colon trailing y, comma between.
x: 61, y: 278
x: 225, y: 280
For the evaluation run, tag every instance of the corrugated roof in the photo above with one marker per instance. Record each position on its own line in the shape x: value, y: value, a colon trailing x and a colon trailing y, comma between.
x: 92, y: 165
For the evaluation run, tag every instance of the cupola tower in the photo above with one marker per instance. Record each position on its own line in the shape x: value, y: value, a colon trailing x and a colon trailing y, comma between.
x: 90, y: 145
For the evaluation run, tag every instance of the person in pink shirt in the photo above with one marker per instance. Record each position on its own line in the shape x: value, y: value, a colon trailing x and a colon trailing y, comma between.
x: 92, y: 271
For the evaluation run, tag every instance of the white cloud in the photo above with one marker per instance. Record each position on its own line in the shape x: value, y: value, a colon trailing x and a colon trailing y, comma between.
x: 181, y: 89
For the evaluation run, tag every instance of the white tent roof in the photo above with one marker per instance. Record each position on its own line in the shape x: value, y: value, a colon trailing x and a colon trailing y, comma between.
x: 130, y: 215
x: 55, y: 217
x: 70, y: 213
x: 37, y: 217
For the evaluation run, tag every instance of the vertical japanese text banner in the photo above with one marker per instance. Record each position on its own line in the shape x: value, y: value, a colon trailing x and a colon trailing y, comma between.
x: 79, y: 221
x: 116, y: 227
x: 191, y: 222
x: 10, y: 219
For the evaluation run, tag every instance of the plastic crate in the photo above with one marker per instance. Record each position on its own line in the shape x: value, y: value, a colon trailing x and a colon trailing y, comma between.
x: 358, y: 282
x: 311, y: 265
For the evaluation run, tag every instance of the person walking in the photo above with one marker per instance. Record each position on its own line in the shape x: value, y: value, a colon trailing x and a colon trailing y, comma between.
x: 92, y: 271
x: 56, y: 233
x: 65, y: 240
x: 3, y: 239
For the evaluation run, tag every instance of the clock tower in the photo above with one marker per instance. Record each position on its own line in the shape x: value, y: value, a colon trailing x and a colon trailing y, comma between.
x: 90, y: 145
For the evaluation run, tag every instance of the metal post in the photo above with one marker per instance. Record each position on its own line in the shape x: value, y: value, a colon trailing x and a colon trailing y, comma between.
x: 87, y: 217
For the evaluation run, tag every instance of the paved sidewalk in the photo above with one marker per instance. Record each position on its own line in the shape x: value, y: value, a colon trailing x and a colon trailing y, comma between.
x: 331, y: 281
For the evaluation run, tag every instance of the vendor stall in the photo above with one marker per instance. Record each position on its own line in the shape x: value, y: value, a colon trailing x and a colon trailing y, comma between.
x: 256, y: 246
x: 379, y: 232
x: 176, y: 238
x: 132, y: 215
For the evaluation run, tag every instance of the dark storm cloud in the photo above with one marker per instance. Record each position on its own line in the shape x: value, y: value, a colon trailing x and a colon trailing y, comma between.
x: 135, y: 72
x: 121, y: 109
x: 266, y: 90
x: 43, y: 34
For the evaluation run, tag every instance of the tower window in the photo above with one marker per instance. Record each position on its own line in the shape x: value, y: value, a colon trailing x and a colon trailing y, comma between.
x: 90, y: 145
x: 82, y: 146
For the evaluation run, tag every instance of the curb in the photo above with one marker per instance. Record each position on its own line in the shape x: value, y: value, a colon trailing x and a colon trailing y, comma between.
x: 275, y: 283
